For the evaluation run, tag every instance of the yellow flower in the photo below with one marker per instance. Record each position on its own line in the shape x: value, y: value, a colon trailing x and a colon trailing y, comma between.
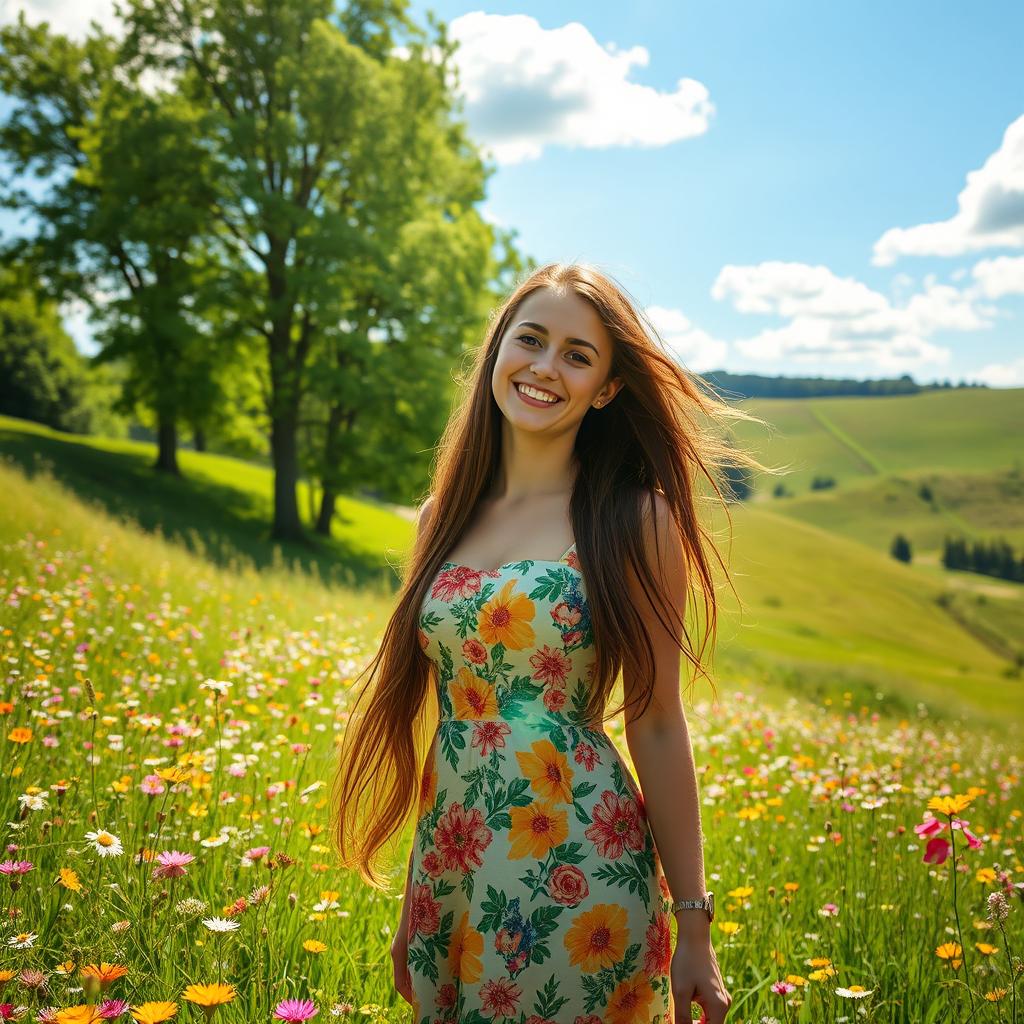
x: 464, y: 952
x: 7, y: 975
x: 548, y: 770
x: 20, y: 735
x: 536, y: 829
x: 952, y: 952
x: 122, y: 785
x: 985, y: 948
x: 473, y: 697
x: 631, y: 1000
x: 506, y: 619
x: 84, y: 1014
x: 314, y: 946
x: 104, y: 973
x: 175, y: 774
x: 950, y: 804
x: 741, y: 892
x: 995, y: 994
x: 209, y: 995
x: 154, y: 1013
x: 984, y: 875
x: 597, y: 938
x: 69, y: 879
x: 729, y: 927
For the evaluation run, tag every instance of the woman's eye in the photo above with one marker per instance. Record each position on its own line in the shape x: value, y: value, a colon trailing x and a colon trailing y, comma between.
x: 524, y: 337
x: 583, y: 358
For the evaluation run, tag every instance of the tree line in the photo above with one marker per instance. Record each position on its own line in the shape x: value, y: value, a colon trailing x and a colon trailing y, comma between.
x: 271, y: 212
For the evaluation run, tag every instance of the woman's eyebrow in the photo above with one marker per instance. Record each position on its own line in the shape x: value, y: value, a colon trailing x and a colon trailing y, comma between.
x: 543, y: 330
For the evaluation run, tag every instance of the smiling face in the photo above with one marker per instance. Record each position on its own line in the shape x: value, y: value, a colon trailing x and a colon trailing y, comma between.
x: 558, y: 348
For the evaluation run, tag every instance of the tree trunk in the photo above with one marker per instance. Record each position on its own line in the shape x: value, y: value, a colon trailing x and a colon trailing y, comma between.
x: 323, y: 522
x: 167, y: 446
x: 285, y: 452
x: 199, y: 439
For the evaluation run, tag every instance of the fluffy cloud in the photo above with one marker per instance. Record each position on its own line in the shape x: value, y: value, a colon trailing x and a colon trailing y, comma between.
x: 990, y: 211
x: 999, y: 277
x: 526, y: 87
x: 1001, y: 375
x: 841, y: 320
x: 694, y: 348
x: 70, y: 19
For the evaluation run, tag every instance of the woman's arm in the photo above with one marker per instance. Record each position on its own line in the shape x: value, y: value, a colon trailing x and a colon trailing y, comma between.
x: 658, y: 740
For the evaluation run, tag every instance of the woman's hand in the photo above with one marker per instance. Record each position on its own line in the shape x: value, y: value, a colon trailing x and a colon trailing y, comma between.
x: 400, y: 960
x: 695, y: 978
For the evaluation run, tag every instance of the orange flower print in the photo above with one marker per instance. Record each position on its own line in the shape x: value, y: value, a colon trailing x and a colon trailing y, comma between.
x: 597, y: 937
x: 630, y: 1001
x: 473, y: 697
x: 617, y: 826
x: 500, y: 997
x: 474, y: 652
x: 464, y: 952
x: 536, y: 829
x: 548, y: 770
x: 424, y: 911
x: 551, y: 666
x: 658, y: 958
x: 488, y: 736
x: 506, y: 619
x: 460, y: 837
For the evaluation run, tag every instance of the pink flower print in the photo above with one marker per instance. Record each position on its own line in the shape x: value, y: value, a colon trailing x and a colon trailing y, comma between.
x: 551, y: 666
x: 617, y: 825
x: 565, y: 614
x: 586, y: 755
x: 424, y: 911
x: 460, y: 837
x: 474, y: 652
x: 500, y: 997
x: 554, y: 699
x: 489, y: 735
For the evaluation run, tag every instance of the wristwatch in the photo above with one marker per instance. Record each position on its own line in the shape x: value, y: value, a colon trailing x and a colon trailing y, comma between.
x: 707, y: 904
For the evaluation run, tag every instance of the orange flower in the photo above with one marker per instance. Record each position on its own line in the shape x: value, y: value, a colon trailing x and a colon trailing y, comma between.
x: 20, y: 735
x: 175, y: 774
x: 84, y: 1014
x: 950, y: 804
x: 473, y: 697
x: 630, y: 1001
x: 548, y: 771
x: 69, y: 879
x: 597, y: 937
x: 154, y: 1013
x: 505, y: 619
x: 208, y: 996
x: 464, y: 952
x: 6, y: 707
x: 536, y: 829
x: 104, y: 973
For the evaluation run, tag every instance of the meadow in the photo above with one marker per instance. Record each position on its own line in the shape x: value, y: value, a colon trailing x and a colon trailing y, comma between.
x: 170, y: 722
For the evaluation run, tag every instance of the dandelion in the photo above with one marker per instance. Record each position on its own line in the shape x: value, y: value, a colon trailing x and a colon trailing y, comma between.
x: 172, y: 864
x: 105, y: 843
x: 314, y: 946
x: 295, y: 1011
x: 154, y: 1013
x: 950, y: 951
x: 69, y: 879
x: 220, y: 924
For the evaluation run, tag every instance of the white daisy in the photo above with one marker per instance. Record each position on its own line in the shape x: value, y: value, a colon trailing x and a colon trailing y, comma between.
x: 221, y: 924
x: 105, y: 843
x: 23, y: 940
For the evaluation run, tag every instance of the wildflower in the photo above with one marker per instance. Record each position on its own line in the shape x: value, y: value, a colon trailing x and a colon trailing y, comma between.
x: 258, y: 895
x: 295, y: 1011
x: 172, y: 864
x: 829, y: 910
x: 209, y: 997
x: 314, y: 946
x: 952, y: 952
x: 256, y: 853
x: 69, y: 879
x: 23, y: 940
x: 950, y: 804
x: 998, y: 908
x: 105, y: 843
x: 33, y: 801
x: 854, y: 992
x: 220, y: 924
x: 120, y: 926
x: 33, y: 980
x: 152, y: 785
x: 111, y: 1009
x: 783, y: 988
x: 85, y: 1014
x: 191, y: 907
x: 20, y: 735
x: 104, y: 973
x: 174, y: 775
x: 154, y: 1013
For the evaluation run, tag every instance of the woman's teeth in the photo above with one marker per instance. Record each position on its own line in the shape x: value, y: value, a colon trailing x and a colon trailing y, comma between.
x: 540, y: 396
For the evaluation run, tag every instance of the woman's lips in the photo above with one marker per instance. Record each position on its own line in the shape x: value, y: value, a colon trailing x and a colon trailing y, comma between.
x: 535, y: 402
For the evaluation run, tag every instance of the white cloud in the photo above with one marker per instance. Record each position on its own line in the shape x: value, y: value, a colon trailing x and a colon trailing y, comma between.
x: 67, y: 18
x: 990, y: 211
x: 526, y: 87
x: 842, y: 320
x: 1000, y: 375
x: 695, y: 348
x: 1001, y: 276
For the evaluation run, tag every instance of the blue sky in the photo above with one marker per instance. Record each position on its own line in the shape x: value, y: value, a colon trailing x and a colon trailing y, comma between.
x: 784, y: 187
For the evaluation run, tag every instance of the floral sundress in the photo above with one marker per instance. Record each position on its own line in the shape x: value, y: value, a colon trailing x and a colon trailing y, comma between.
x: 537, y: 891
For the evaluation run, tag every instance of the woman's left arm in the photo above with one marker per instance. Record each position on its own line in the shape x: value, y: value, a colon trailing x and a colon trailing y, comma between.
x: 659, y: 744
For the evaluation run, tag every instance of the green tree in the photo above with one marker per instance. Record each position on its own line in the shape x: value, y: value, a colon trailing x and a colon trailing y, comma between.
x: 333, y: 144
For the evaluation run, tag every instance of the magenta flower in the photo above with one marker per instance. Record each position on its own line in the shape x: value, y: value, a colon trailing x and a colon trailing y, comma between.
x: 110, y: 1009
x: 929, y: 827
x: 295, y: 1011
x: 257, y: 852
x: 171, y: 864
x: 783, y: 988
x: 15, y: 867
x: 936, y: 851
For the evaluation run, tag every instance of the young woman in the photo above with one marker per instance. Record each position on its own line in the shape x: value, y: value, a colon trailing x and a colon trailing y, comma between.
x: 557, y: 547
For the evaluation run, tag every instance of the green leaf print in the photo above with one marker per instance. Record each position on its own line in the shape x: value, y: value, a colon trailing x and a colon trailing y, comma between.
x: 500, y: 799
x: 548, y: 1003
x: 624, y: 875
x: 452, y: 740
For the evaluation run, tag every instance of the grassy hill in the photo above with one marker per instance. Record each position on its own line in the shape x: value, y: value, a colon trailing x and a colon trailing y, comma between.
x: 824, y: 612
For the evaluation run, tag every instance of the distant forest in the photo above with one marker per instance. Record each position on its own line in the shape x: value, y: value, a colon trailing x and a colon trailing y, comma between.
x: 752, y: 385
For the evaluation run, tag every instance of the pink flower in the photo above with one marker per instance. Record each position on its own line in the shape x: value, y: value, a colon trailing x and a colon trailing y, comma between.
x: 113, y: 1008
x: 783, y: 988
x: 172, y: 864
x: 152, y: 785
x: 15, y: 867
x: 829, y: 910
x: 257, y: 852
x: 929, y: 827
x: 936, y: 851
x: 295, y: 1010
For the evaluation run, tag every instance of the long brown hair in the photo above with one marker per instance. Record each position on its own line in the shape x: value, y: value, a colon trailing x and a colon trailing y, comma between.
x: 658, y: 434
